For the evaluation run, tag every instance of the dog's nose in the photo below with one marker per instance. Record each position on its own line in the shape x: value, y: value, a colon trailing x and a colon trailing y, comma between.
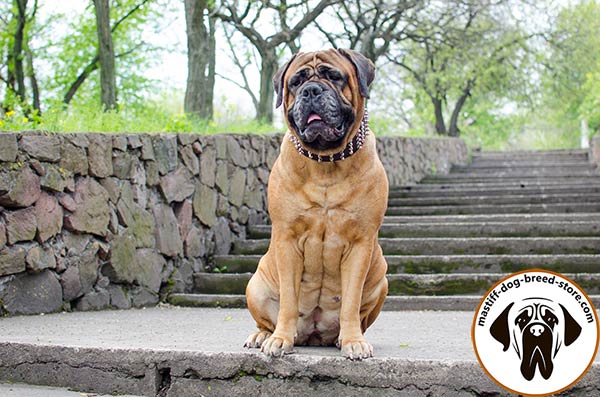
x: 312, y: 90
x: 536, y: 330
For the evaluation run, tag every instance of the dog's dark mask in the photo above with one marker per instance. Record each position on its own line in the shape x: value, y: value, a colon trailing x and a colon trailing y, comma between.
x: 321, y: 115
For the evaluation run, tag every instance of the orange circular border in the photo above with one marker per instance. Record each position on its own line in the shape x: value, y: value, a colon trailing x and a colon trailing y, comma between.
x: 479, y: 308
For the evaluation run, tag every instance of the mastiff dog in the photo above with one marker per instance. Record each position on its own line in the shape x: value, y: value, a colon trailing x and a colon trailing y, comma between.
x: 322, y: 281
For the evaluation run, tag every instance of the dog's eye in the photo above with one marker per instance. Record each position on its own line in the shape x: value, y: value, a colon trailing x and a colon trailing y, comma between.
x: 295, y: 81
x: 334, y: 76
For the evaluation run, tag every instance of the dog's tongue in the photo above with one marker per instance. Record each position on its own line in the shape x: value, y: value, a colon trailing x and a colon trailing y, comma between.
x: 313, y: 117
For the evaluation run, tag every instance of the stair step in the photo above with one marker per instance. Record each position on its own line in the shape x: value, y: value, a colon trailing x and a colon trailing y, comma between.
x: 517, y: 164
x: 525, y: 172
x: 494, y: 192
x: 443, y: 186
x: 417, y: 264
x: 399, y: 284
x: 531, y: 153
x: 472, y: 229
x: 485, y: 199
x: 536, y: 217
x: 178, y: 351
x: 495, y: 209
x: 463, y: 246
x: 524, y: 180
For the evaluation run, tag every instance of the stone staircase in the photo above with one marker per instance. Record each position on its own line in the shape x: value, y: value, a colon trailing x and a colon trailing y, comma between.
x: 451, y: 237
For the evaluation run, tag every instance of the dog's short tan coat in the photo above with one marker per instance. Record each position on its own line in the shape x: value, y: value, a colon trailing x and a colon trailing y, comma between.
x: 322, y: 281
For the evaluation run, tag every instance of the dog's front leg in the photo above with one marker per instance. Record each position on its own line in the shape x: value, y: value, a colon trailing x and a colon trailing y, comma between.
x: 289, y: 268
x: 354, y: 270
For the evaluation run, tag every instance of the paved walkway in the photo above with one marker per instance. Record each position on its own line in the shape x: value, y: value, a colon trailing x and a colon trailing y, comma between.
x: 21, y: 390
x: 407, y: 335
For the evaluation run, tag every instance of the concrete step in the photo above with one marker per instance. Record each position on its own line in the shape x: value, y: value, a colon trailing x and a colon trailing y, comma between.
x: 495, y: 209
x: 515, y: 199
x: 502, y: 172
x: 536, y: 217
x: 524, y: 180
x: 524, y: 163
x: 495, y: 192
x: 178, y: 352
x: 463, y: 246
x: 398, y: 284
x: 392, y: 302
x: 417, y: 264
x: 443, y: 186
x: 471, y: 229
x: 529, y: 154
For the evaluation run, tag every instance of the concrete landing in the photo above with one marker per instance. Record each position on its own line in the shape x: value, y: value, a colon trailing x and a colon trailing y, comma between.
x: 178, y: 352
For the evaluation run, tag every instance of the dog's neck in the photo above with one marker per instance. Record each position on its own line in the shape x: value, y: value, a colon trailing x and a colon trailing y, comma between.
x: 352, y: 147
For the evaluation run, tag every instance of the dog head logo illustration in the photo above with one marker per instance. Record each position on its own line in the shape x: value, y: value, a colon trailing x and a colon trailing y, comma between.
x: 537, y: 328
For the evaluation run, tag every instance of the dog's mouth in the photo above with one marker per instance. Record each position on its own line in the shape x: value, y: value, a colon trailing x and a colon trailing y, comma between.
x: 537, y: 351
x: 318, y: 133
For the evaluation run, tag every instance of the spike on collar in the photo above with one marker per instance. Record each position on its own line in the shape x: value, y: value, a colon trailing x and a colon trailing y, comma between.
x: 352, y: 147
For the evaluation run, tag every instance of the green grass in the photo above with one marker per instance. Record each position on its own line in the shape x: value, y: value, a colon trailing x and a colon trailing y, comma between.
x: 79, y: 118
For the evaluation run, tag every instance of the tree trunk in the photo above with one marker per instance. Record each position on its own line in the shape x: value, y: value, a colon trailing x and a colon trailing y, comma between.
x: 454, y: 130
x: 16, y: 71
x: 268, y: 68
x: 212, y: 71
x: 106, y: 55
x: 201, y: 58
x: 440, y: 126
x: 35, y: 89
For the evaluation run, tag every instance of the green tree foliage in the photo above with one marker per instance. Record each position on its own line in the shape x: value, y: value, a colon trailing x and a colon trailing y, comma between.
x: 573, y: 64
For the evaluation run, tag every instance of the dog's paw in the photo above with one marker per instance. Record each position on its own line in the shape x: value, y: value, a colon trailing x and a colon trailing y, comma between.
x: 276, y: 346
x: 356, y: 349
x: 256, y: 339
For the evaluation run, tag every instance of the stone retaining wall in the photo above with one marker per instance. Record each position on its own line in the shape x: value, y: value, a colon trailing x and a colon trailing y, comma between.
x: 595, y: 150
x: 91, y: 221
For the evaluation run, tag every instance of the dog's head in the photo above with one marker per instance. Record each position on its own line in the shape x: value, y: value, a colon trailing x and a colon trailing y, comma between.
x: 536, y: 328
x: 323, y: 94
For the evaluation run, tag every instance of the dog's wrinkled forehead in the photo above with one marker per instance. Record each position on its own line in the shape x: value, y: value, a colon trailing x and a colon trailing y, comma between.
x: 533, y: 309
x: 356, y: 69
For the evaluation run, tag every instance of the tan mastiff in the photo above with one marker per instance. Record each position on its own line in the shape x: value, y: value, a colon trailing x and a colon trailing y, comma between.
x: 322, y: 281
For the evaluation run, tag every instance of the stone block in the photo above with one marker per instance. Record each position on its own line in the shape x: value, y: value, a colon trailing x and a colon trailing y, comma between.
x: 74, y: 159
x: 177, y: 185
x: 151, y: 266
x: 195, y: 244
x: 168, y: 239
x: 190, y: 159
x: 222, y: 177
x: 124, y: 164
x: 2, y: 235
x: 55, y: 178
x: 152, y: 175
x: 94, y: 300
x: 21, y: 225
x: 236, y: 152
x: 39, y: 259
x: 222, y: 236
x: 142, y: 297
x: 123, y: 265
x: 22, y: 188
x: 184, y: 213
x: 8, y: 147
x: 33, y: 294
x: 208, y: 166
x: 41, y: 147
x: 147, y: 148
x: 118, y: 297
x: 165, y: 152
x: 238, y: 187
x: 120, y: 142
x: 100, y: 155
x: 71, y: 284
x: 49, y: 217
x: 12, y: 260
x: 92, y: 213
x: 205, y: 204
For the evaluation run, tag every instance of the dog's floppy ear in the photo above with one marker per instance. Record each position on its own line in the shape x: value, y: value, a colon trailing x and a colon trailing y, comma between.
x: 499, y: 328
x: 278, y: 81
x: 365, y: 70
x: 572, y: 327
